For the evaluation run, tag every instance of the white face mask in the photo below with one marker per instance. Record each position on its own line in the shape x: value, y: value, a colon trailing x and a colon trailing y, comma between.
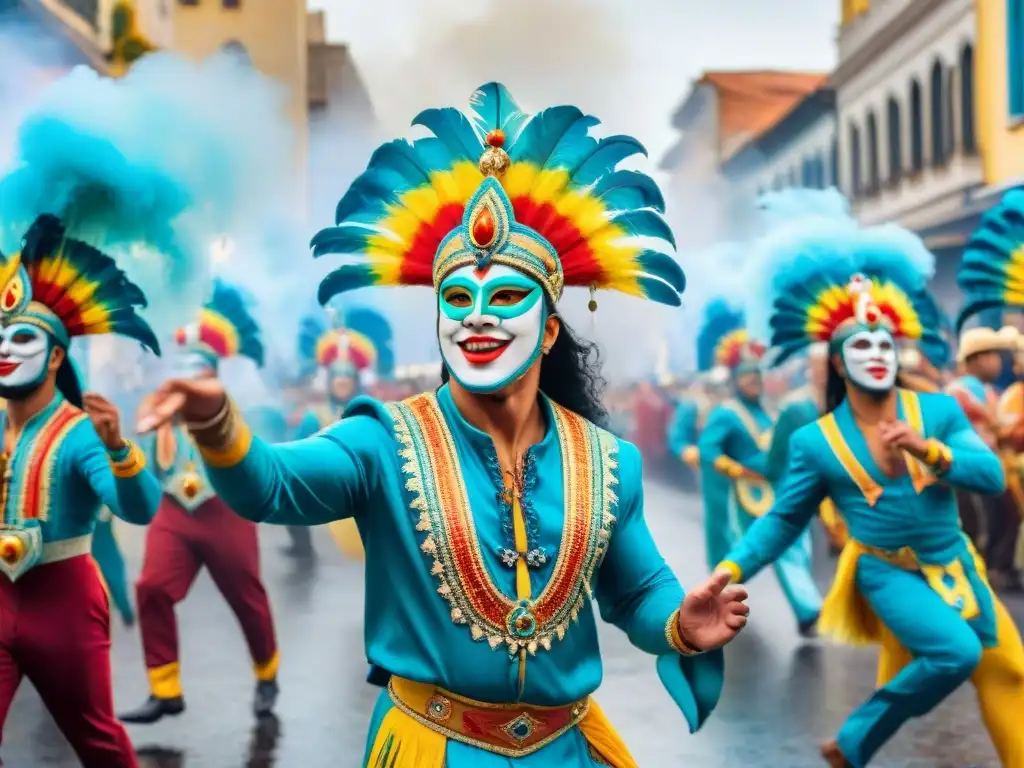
x: 24, y: 353
x: 871, y: 360
x: 490, y: 326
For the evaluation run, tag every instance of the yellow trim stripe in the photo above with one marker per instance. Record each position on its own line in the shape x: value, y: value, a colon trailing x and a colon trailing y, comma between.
x: 165, y: 681
x: 267, y: 670
x: 834, y: 437
x: 234, y: 452
x: 911, y: 403
x: 131, y: 465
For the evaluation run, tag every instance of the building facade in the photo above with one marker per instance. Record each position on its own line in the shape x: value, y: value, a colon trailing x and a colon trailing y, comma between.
x: 909, y: 147
x: 1000, y: 98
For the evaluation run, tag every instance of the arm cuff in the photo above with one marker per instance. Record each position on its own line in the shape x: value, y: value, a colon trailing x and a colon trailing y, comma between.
x: 731, y: 567
x: 224, y: 440
x: 939, y: 458
x: 728, y: 466
x: 128, y: 461
x: 675, y: 640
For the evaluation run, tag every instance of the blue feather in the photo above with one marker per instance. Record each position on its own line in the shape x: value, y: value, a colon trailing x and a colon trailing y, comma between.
x: 663, y: 266
x: 543, y: 134
x: 347, y: 277
x: 454, y: 130
x: 494, y: 108
x: 341, y: 239
x: 645, y: 223
x: 658, y: 290
x: 720, y: 319
x: 984, y: 274
x: 602, y: 160
x: 623, y: 190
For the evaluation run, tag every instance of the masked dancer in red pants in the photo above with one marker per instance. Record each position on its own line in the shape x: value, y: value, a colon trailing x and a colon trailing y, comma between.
x: 194, y: 527
x: 63, y: 460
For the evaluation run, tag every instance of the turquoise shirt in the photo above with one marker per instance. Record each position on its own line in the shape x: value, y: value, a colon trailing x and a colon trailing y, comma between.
x: 928, y: 522
x: 315, y: 419
x: 268, y: 422
x: 797, y: 410
x: 59, y: 477
x: 354, y: 469
x: 181, y: 473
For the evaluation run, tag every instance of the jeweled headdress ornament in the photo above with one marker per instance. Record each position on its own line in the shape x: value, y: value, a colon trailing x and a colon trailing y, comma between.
x: 225, y: 328
x: 534, y: 193
x: 991, y: 272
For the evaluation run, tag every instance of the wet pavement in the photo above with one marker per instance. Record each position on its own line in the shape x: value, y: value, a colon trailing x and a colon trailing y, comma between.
x: 782, y: 695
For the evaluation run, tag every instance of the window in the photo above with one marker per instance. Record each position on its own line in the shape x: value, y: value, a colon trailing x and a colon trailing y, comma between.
x: 894, y: 129
x: 950, y: 125
x: 937, y: 113
x: 792, y: 182
x: 833, y: 164
x: 231, y: 3
x: 806, y: 174
x: 818, y: 172
x: 856, y: 184
x: 1015, y: 55
x: 873, y: 174
x: 238, y: 51
x: 916, y: 128
x: 188, y: 2
x: 967, y: 100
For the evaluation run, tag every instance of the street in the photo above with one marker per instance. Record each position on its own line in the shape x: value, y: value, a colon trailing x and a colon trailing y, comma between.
x: 782, y: 695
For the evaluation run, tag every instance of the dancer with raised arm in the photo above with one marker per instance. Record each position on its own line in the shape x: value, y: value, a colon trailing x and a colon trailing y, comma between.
x: 494, y: 509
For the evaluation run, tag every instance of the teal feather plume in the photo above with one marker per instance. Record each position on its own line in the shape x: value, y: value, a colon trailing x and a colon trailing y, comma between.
x: 720, y: 319
x: 987, y: 275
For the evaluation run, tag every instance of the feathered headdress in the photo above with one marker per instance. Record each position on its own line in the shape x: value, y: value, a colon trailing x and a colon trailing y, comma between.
x: 534, y: 193
x: 324, y: 343
x: 225, y: 328
x: 828, y: 285
x: 991, y: 273
x: 722, y: 339
x: 374, y: 327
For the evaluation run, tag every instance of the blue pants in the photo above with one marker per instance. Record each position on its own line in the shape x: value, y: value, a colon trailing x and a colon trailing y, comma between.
x: 793, y: 570
x: 944, y: 651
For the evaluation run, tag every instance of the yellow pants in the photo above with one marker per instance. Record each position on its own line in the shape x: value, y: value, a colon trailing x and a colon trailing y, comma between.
x: 346, y: 537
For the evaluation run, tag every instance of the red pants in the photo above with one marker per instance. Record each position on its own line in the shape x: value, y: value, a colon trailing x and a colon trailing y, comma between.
x: 55, y: 629
x: 178, y: 544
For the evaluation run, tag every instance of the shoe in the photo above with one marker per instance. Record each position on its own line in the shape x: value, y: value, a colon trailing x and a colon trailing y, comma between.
x: 834, y: 758
x: 301, y: 552
x: 265, y: 699
x: 154, y: 709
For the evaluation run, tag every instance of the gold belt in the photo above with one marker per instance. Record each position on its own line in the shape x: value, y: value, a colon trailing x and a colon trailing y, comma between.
x: 901, y: 558
x: 511, y: 730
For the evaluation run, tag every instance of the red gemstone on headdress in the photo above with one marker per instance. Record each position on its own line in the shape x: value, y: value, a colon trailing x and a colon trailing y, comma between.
x: 179, y: 337
x: 484, y: 229
x: 496, y: 138
x: 9, y: 299
x: 871, y: 315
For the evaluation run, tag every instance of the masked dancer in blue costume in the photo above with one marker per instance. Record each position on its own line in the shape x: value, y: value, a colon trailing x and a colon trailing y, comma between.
x: 733, y: 456
x: 494, y: 508
x: 891, y: 459
x: 195, y: 528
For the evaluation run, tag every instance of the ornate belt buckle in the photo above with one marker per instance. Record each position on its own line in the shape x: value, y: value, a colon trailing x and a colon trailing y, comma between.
x: 20, y: 549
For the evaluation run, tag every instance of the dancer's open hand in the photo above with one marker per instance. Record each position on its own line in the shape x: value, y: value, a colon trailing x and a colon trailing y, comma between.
x: 105, y: 418
x: 713, y: 613
x: 194, y: 400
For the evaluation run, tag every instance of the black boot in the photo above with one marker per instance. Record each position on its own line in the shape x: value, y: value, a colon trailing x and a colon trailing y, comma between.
x: 265, y: 699
x: 301, y: 547
x: 808, y: 629
x: 154, y: 709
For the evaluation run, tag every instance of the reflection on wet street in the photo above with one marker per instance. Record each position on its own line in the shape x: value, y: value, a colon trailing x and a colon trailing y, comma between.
x: 782, y: 696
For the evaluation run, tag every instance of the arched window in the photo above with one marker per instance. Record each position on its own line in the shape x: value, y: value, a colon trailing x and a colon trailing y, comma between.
x: 856, y: 185
x: 873, y: 173
x: 916, y: 127
x: 819, y: 171
x: 792, y: 182
x: 806, y: 173
x: 967, y: 137
x: 833, y: 164
x: 951, y: 105
x: 937, y: 113
x: 894, y: 130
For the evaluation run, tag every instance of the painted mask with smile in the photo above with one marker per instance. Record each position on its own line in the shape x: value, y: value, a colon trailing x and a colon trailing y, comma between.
x: 24, y: 354
x: 490, y: 326
x: 871, y: 360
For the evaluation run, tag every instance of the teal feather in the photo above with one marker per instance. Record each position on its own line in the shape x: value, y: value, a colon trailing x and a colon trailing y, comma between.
x: 343, y: 239
x: 645, y: 223
x: 604, y: 157
x: 665, y: 267
x: 233, y: 304
x: 311, y: 328
x: 542, y: 135
x: 658, y: 290
x: 493, y: 108
x: 984, y: 274
x: 347, y: 277
x: 720, y: 319
x: 623, y: 190
x: 454, y: 130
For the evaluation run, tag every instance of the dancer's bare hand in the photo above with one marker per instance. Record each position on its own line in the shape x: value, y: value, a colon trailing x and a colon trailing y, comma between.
x: 105, y: 418
x: 898, y: 435
x: 713, y: 613
x: 192, y: 399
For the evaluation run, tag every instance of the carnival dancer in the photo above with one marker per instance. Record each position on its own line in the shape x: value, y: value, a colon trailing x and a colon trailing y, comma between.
x: 733, y: 452
x: 340, y: 356
x: 64, y: 464
x: 194, y: 528
x: 493, y: 508
x: 693, y: 406
x: 908, y: 578
x: 801, y: 407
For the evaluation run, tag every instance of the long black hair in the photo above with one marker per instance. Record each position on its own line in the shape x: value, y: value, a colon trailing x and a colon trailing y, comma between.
x: 835, y: 386
x: 570, y: 375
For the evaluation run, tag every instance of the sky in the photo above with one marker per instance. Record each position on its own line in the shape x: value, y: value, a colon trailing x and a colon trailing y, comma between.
x: 628, y: 62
